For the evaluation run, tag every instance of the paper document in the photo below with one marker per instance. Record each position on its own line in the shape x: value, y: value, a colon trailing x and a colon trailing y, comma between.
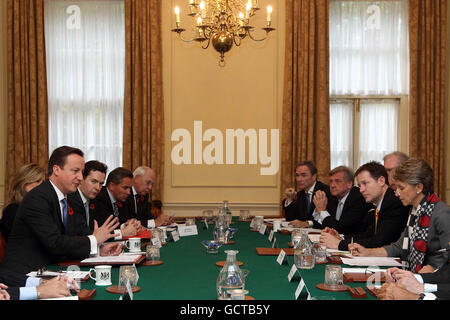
x: 71, y: 274
x: 372, y: 261
x: 272, y: 220
x: 65, y: 298
x: 334, y: 251
x: 362, y: 270
x: 109, y: 259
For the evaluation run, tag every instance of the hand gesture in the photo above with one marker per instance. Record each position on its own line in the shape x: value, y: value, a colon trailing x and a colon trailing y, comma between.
x: 111, y: 249
x: 358, y: 250
x: 104, y: 233
x: 130, y: 230
x: 54, y: 288
x: 299, y: 224
x: 4, y: 295
x: 329, y: 240
x: 290, y: 194
x: 320, y: 200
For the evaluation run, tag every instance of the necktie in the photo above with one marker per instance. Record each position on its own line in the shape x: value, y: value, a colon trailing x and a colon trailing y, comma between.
x: 339, y: 210
x: 65, y: 214
x: 86, y: 208
x: 308, y: 202
x: 136, y: 197
x: 376, y: 219
x: 116, y: 209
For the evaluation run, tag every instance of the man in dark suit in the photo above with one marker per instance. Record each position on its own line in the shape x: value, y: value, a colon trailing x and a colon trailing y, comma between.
x: 299, y: 207
x: 111, y: 201
x: 387, y: 220
x: 347, y: 216
x: 38, y: 237
x: 138, y: 206
x: 392, y: 161
x: 81, y: 223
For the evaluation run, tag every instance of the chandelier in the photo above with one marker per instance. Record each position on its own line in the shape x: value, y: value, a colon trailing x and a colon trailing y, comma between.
x: 222, y: 23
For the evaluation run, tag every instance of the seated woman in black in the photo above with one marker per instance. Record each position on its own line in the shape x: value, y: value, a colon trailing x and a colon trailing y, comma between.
x: 28, y: 177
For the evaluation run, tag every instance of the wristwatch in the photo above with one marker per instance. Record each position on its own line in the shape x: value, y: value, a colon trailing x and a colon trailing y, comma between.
x: 421, y: 296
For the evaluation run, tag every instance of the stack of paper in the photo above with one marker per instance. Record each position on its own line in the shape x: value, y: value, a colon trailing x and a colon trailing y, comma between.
x: 77, y: 275
x: 113, y: 259
x: 372, y: 261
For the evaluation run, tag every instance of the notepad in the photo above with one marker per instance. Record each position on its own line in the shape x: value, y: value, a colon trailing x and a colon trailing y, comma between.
x: 112, y: 259
x: 372, y: 261
x: 76, y: 275
x: 314, y: 237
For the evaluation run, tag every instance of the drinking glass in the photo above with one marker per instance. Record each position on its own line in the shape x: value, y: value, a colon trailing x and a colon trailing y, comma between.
x: 243, y: 215
x: 152, y: 253
x: 320, y: 253
x: 333, y: 275
x: 127, y: 273
x: 190, y: 221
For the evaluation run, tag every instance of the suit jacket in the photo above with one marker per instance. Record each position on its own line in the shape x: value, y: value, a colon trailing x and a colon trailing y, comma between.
x: 353, y: 214
x: 297, y: 209
x: 438, y: 238
x: 128, y: 211
x: 103, y: 208
x: 391, y: 222
x: 442, y: 279
x: 78, y: 224
x: 38, y: 237
x: 9, y: 214
x: 14, y: 281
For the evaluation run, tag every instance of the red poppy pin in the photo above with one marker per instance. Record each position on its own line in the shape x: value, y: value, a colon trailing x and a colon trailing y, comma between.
x: 92, y: 206
x: 119, y: 204
x: 433, y: 198
x: 70, y: 211
x: 142, y: 198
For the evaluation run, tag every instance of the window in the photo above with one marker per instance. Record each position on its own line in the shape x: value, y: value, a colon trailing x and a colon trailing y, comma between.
x: 369, y: 79
x: 85, y: 47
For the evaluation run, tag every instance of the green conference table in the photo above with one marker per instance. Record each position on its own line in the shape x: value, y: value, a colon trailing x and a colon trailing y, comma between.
x: 189, y: 273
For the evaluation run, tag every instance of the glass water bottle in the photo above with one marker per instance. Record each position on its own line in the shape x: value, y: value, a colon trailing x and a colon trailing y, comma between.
x: 304, y: 257
x: 230, y: 277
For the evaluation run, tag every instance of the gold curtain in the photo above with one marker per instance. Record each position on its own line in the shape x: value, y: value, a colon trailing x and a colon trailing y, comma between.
x: 428, y: 25
x: 143, y: 138
x: 27, y: 128
x: 306, y: 121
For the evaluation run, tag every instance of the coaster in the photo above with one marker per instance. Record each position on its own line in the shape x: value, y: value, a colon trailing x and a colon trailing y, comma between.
x: 249, y: 298
x: 222, y: 263
x: 254, y: 230
x: 115, y: 289
x: 150, y: 263
x: 230, y: 242
x: 284, y: 231
x: 323, y: 286
x: 323, y: 262
x: 244, y: 220
x: 290, y: 245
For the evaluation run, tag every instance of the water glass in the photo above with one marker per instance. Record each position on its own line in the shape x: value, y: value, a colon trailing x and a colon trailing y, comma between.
x: 296, y: 235
x: 259, y: 221
x: 244, y: 214
x: 190, y: 221
x: 127, y: 273
x: 152, y: 253
x: 333, y: 275
x: 208, y: 216
x: 320, y: 253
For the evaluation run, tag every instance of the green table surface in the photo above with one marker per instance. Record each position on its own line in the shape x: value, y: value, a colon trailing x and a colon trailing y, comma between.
x: 190, y: 273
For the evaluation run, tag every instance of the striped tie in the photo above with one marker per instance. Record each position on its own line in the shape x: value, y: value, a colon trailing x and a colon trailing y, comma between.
x: 65, y: 214
x: 376, y: 219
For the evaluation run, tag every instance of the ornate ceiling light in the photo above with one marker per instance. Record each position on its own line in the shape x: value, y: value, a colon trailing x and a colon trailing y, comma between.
x: 222, y: 23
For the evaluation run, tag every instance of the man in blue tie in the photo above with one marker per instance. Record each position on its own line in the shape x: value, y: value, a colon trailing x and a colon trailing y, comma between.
x: 298, y: 206
x: 38, y: 237
x: 348, y: 215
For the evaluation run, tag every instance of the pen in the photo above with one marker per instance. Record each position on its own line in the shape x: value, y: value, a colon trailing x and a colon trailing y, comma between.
x: 443, y: 250
x: 351, y: 251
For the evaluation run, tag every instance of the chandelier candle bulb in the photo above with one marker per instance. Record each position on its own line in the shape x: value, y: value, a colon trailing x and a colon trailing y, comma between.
x: 269, y: 15
x: 241, y: 19
x: 248, y: 8
x: 177, y: 15
x: 203, y: 9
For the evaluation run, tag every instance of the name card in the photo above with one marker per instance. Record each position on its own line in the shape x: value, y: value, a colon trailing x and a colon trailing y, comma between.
x: 281, y: 256
x: 157, y: 242
x: 206, y: 224
x: 300, y: 287
x: 175, y: 236
x: 185, y: 231
x: 252, y: 224
x: 271, y: 235
x: 262, y: 229
x: 130, y: 291
x: 292, y: 272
